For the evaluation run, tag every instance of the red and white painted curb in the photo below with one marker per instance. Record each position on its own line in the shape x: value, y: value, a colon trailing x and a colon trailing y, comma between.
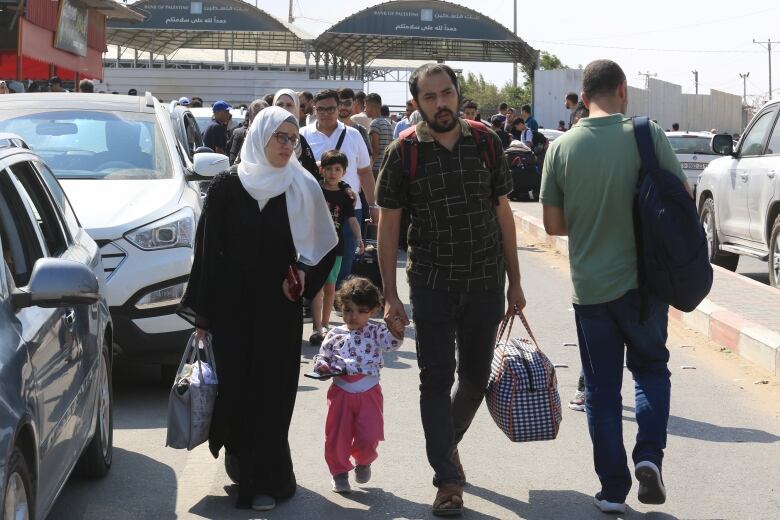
x: 750, y: 340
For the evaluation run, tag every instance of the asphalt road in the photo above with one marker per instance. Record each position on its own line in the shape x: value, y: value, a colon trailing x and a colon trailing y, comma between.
x: 750, y: 267
x: 721, y: 461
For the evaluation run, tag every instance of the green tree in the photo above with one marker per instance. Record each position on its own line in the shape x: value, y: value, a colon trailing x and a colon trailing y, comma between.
x: 488, y: 96
x: 515, y: 96
x: 478, y: 89
x: 547, y: 61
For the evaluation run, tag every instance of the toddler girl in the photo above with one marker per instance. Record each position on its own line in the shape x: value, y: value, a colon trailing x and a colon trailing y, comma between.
x: 355, y: 424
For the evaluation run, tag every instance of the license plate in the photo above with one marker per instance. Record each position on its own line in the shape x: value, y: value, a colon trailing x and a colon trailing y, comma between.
x: 693, y: 165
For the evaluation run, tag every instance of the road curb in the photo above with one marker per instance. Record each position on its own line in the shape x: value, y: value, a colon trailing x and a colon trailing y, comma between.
x: 750, y: 340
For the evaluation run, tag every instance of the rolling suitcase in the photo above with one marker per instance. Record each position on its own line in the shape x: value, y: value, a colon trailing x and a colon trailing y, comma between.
x: 367, y: 264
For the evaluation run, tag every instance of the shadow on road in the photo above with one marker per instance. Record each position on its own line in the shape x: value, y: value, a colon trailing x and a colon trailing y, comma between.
x: 139, y: 487
x: 544, y: 504
x: 759, y: 277
x: 306, y: 503
x: 140, y: 400
x: 704, y: 431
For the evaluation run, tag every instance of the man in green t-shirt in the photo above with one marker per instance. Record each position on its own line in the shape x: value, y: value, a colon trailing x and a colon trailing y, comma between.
x: 590, y: 176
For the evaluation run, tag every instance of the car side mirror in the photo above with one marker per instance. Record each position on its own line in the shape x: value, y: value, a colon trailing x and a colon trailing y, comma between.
x: 206, y: 165
x: 58, y: 283
x: 722, y: 144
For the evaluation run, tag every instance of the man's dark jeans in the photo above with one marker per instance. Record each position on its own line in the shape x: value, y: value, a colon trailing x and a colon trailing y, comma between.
x: 603, y: 331
x: 441, y: 318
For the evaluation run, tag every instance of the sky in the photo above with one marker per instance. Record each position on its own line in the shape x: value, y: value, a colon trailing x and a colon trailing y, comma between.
x: 664, y: 37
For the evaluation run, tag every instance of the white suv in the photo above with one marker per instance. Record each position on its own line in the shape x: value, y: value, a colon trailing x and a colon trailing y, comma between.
x: 128, y: 179
x: 694, y: 152
x: 739, y: 195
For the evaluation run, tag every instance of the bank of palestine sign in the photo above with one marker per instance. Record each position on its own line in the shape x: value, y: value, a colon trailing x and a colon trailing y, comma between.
x: 71, y: 35
x: 201, y: 15
x: 424, y: 20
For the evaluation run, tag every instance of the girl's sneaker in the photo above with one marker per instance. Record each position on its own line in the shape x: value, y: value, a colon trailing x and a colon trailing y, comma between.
x: 341, y: 483
x: 362, y: 474
x: 577, y: 402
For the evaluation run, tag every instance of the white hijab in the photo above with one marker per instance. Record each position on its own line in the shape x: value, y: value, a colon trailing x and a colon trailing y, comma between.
x: 296, y: 111
x: 310, y: 221
x: 293, y: 95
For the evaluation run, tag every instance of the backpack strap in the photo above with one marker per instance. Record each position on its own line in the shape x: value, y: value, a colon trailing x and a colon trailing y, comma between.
x: 644, y: 141
x: 341, y: 138
x: 410, y: 150
x: 486, y: 146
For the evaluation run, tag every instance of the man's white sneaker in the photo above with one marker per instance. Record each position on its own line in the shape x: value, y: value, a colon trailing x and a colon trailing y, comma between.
x: 606, y: 506
x: 651, y: 484
x: 263, y: 503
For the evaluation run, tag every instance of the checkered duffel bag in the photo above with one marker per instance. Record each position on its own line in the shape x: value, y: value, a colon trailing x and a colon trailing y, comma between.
x: 522, y: 393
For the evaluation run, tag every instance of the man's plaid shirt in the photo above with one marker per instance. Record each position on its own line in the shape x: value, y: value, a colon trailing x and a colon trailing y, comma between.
x: 454, y: 238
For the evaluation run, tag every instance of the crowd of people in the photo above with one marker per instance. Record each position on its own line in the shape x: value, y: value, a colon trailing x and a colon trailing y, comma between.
x: 310, y: 172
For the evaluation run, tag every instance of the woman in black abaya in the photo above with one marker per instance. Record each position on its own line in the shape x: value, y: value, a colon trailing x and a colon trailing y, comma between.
x: 254, y: 226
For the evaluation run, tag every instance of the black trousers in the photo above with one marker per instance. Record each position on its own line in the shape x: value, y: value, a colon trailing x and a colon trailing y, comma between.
x: 450, y: 323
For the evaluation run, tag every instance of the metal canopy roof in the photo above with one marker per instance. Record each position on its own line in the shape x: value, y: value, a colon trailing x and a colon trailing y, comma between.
x: 210, y: 24
x: 113, y: 9
x: 423, y: 30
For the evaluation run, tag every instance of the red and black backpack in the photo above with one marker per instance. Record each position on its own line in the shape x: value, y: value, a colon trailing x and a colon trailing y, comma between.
x: 410, y: 147
x: 410, y: 159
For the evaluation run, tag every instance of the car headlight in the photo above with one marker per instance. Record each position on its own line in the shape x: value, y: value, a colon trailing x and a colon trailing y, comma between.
x: 176, y: 230
x: 162, y: 297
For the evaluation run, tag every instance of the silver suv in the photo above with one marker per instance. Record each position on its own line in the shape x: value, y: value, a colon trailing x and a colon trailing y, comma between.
x: 55, y: 340
x: 739, y: 197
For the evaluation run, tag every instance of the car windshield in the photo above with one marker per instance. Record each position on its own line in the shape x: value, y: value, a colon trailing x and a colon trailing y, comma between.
x: 691, y: 145
x: 90, y: 144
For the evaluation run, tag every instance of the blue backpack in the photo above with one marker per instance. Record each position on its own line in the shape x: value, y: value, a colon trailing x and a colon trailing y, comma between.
x: 673, y: 262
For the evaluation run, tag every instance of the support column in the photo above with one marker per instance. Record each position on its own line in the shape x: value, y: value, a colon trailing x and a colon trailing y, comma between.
x: 118, y: 55
x: 363, y: 63
x: 307, y: 54
x: 537, y: 61
x: 316, y: 64
x: 135, y: 58
x: 227, y: 59
x: 342, y: 65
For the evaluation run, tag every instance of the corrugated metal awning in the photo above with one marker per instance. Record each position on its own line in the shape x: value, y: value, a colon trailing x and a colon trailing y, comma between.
x: 423, y: 30
x: 169, y: 25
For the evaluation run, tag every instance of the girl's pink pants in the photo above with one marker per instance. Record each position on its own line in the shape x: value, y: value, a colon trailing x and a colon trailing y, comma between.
x: 353, y: 428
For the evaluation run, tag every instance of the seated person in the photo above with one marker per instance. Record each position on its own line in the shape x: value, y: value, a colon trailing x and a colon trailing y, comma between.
x: 122, y: 148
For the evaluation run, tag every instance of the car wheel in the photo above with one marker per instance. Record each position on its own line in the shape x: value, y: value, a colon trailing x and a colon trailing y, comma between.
x: 720, y: 258
x: 774, y: 254
x: 96, y: 459
x: 18, y: 503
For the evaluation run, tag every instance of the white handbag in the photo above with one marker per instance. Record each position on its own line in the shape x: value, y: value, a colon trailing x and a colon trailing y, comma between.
x: 192, y: 397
